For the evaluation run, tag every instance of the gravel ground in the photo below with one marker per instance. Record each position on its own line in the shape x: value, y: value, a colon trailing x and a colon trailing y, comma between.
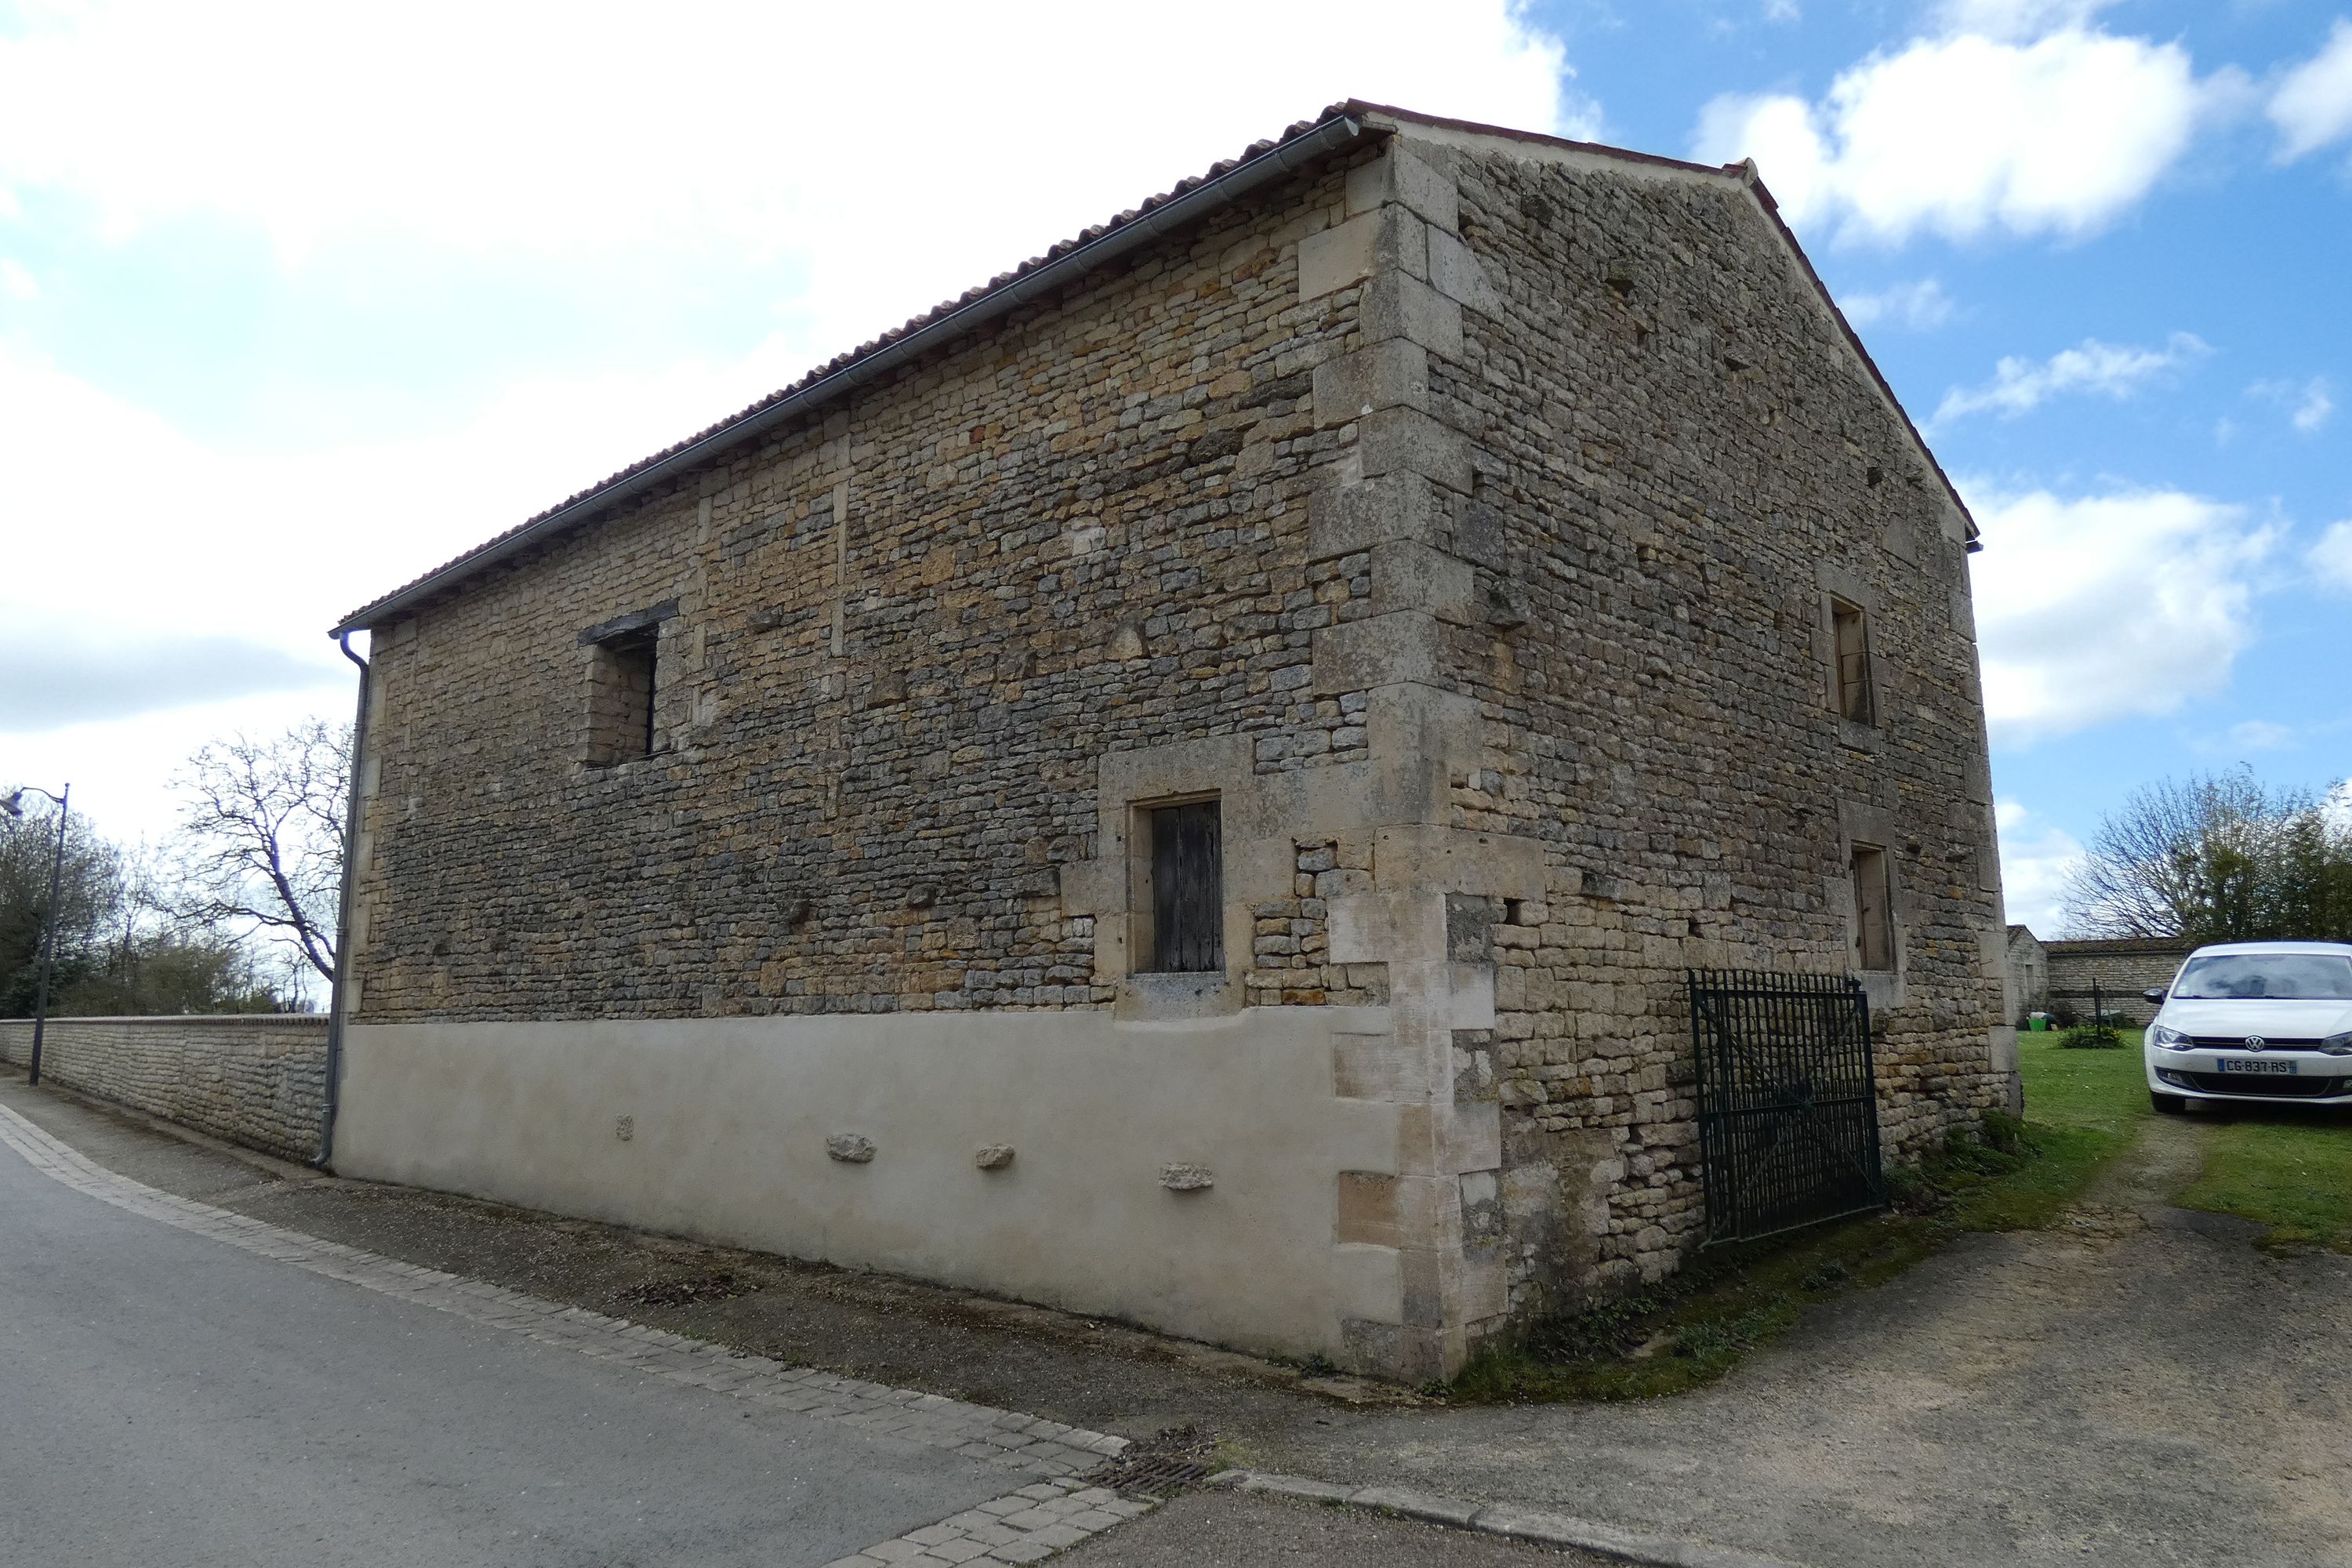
x: 2140, y: 1386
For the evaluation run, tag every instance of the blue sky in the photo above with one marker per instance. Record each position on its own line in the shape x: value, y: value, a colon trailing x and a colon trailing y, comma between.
x: 297, y: 300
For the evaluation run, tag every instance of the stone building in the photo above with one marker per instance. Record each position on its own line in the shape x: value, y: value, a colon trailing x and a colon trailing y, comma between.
x: 1184, y: 784
x: 2029, y: 975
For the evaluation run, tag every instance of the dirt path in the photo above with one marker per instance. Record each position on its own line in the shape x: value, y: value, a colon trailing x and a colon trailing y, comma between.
x: 2137, y: 1386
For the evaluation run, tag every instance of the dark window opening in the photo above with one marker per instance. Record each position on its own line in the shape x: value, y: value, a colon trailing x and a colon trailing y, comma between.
x: 1873, y: 921
x: 1187, y: 889
x: 1853, y: 637
x: 621, y: 706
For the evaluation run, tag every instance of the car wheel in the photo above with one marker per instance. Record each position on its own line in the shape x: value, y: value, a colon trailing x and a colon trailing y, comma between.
x: 2170, y: 1104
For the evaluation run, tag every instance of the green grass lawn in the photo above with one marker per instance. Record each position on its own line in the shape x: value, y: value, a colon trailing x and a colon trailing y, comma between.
x: 2287, y: 1167
x: 2081, y: 1108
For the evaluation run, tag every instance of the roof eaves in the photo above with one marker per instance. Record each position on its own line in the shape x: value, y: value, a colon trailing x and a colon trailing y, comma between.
x: 1190, y: 199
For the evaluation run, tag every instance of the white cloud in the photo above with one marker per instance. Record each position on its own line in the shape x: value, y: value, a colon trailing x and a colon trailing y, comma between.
x: 2258, y: 735
x: 2312, y: 412
x: 1977, y: 130
x: 251, y: 556
x: 1782, y: 11
x: 2332, y: 556
x: 2015, y: 18
x: 1922, y: 306
x: 2312, y: 105
x: 2020, y: 385
x: 896, y: 154
x: 879, y: 158
x: 15, y: 281
x: 2107, y: 607
x: 2309, y: 404
x: 2036, y: 857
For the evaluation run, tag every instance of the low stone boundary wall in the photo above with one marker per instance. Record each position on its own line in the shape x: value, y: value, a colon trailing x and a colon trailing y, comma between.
x: 2115, y: 973
x: 255, y: 1079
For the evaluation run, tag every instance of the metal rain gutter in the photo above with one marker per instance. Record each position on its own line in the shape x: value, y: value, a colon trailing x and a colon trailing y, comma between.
x: 1339, y: 131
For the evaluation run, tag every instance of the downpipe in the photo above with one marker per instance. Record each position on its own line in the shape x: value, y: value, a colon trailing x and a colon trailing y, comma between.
x: 334, y: 1087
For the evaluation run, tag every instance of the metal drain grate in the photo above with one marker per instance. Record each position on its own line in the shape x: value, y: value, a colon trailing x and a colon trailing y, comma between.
x: 1176, y: 1461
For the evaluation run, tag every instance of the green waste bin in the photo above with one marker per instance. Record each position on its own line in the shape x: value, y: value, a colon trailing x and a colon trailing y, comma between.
x: 2037, y: 1022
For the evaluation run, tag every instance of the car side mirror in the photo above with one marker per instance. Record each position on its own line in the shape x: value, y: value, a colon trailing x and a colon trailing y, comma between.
x: 2156, y: 994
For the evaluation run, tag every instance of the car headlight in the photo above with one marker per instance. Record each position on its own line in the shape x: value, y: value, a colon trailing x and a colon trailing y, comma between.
x: 2337, y: 1045
x: 2164, y: 1036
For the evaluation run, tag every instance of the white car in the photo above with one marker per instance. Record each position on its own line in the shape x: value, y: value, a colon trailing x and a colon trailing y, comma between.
x: 2265, y: 1021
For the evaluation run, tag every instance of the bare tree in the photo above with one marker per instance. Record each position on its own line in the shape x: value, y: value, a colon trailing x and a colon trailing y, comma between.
x: 261, y: 843
x: 2217, y: 858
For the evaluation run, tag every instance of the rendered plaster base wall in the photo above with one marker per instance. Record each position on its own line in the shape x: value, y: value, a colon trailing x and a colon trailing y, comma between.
x: 729, y: 1120
x: 255, y: 1079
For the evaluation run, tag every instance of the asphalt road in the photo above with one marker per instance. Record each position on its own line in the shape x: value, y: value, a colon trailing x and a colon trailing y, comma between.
x: 166, y: 1399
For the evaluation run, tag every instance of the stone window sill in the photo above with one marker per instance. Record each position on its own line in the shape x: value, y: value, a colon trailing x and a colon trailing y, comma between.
x: 1153, y: 997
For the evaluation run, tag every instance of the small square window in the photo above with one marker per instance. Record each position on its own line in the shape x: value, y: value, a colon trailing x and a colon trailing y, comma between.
x: 623, y: 676
x: 1851, y: 633
x: 1874, y: 919
x: 1187, y: 903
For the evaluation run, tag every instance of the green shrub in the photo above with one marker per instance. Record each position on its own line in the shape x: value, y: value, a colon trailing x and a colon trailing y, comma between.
x: 2092, y: 1037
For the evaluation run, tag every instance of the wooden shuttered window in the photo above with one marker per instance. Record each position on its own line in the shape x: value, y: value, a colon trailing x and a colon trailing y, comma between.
x: 1187, y: 889
x: 1874, y: 917
x: 1851, y: 631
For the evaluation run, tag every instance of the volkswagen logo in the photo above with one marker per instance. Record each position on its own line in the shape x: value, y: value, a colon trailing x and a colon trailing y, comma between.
x: 2255, y: 1042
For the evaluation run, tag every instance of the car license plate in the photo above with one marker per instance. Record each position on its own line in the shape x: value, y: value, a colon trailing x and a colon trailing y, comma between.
x: 2282, y: 1067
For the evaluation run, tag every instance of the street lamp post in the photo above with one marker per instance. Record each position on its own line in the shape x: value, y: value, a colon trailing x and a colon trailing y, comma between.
x: 13, y: 805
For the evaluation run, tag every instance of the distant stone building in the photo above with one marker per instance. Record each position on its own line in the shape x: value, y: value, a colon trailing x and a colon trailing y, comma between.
x: 1184, y: 784
x: 2029, y: 975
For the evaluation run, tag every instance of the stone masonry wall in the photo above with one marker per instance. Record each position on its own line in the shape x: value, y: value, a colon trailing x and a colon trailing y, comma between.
x: 1672, y: 460
x: 2119, y: 970
x: 902, y: 639
x: 255, y: 1079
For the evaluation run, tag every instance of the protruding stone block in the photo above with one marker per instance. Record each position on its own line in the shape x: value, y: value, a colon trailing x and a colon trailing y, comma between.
x: 1454, y: 272
x: 1397, y: 305
x: 1179, y: 1177
x: 992, y: 1156
x: 1406, y: 441
x: 1400, y: 176
x: 1349, y: 518
x: 1338, y: 257
x: 850, y: 1148
x: 1391, y: 375
x: 1378, y: 650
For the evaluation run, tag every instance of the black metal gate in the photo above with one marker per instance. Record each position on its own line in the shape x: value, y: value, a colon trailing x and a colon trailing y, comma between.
x: 1788, y: 1106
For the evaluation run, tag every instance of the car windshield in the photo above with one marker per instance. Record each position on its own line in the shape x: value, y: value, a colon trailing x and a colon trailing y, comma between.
x: 2282, y: 976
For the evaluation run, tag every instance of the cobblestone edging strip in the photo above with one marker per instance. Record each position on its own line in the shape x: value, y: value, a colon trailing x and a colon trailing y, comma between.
x: 1506, y: 1519
x: 1023, y: 1527
x: 1044, y: 1449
